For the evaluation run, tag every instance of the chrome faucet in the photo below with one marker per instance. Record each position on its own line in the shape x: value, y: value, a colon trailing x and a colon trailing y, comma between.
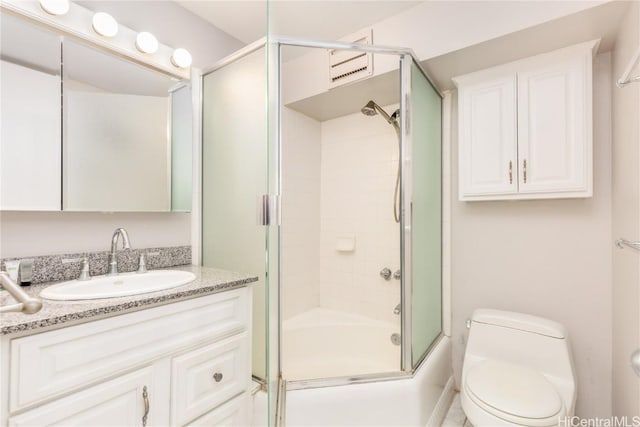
x: 113, y: 261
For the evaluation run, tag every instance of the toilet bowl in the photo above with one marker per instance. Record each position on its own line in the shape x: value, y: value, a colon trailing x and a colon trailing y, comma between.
x: 517, y: 371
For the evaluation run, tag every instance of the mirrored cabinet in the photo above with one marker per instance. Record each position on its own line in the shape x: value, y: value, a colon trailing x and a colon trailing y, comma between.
x: 86, y: 130
x: 30, y: 117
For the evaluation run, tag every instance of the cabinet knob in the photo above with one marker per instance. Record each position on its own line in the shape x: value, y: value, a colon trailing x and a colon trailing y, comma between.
x: 524, y: 174
x: 217, y: 376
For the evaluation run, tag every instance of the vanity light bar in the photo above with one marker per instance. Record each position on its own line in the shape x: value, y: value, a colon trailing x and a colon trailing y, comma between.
x: 181, y: 58
x: 70, y: 19
x: 146, y: 42
x: 104, y: 24
x: 55, y: 7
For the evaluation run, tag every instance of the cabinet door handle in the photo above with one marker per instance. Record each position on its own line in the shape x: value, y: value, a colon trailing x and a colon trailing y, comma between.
x: 145, y: 398
x: 524, y: 168
x: 510, y: 172
x: 217, y: 376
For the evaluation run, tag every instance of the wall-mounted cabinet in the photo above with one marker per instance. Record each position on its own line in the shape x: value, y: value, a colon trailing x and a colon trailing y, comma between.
x: 525, y: 128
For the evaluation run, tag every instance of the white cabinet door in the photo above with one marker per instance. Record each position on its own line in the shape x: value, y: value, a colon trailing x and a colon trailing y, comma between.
x: 120, y: 402
x: 487, y: 155
x: 554, y: 127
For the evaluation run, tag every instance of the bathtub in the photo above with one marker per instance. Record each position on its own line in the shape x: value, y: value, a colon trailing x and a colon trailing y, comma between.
x: 336, y: 344
x: 322, y: 343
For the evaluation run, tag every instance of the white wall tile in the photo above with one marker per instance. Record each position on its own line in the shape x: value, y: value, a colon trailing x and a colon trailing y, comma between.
x: 358, y: 169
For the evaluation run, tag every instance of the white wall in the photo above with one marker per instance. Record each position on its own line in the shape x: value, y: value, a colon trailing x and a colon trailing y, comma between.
x: 358, y: 173
x: 36, y: 233
x: 300, y: 213
x: 626, y: 219
x: 548, y: 258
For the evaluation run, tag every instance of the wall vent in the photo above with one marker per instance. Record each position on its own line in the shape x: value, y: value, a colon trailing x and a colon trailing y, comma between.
x: 346, y: 66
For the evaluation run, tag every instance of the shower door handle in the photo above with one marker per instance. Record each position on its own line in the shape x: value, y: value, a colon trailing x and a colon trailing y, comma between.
x: 268, y: 209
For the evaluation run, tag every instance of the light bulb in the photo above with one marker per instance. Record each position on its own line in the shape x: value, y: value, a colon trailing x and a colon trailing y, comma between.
x: 146, y: 42
x: 104, y: 24
x: 181, y: 58
x: 55, y: 7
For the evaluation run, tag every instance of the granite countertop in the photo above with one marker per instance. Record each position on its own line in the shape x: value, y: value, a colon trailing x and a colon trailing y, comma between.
x: 55, y: 313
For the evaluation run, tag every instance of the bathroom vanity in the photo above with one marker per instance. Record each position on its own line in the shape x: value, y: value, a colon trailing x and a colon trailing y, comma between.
x: 176, y: 357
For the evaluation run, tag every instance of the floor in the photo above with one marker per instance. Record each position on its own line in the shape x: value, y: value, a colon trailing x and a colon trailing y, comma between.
x: 455, y: 416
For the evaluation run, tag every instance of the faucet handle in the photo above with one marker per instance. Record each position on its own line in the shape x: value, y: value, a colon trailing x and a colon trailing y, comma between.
x: 142, y: 264
x: 84, y: 266
x: 84, y: 269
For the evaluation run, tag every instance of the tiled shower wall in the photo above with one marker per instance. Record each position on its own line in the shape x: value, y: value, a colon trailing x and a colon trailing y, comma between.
x: 338, y: 183
x: 357, y: 173
x: 300, y: 213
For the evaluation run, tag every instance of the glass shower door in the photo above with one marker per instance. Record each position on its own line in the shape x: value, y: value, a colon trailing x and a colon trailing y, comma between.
x: 240, y: 230
x: 234, y: 176
x: 423, y: 214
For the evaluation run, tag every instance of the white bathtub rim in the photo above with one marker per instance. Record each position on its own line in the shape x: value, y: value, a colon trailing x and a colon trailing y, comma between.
x: 388, y: 403
x: 318, y: 317
x: 366, y: 378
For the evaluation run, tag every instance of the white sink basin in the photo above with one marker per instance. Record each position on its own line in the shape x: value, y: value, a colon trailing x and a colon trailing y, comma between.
x: 123, y: 284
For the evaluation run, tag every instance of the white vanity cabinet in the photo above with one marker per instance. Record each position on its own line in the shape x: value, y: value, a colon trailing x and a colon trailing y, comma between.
x: 174, y: 364
x: 525, y: 128
x: 122, y: 401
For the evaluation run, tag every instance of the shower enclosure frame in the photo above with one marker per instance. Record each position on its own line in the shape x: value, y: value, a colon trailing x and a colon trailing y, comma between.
x: 272, y: 46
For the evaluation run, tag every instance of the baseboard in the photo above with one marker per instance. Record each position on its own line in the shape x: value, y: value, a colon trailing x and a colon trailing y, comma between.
x: 444, y: 402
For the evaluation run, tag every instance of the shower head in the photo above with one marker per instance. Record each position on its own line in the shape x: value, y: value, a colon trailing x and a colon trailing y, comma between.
x: 369, y: 109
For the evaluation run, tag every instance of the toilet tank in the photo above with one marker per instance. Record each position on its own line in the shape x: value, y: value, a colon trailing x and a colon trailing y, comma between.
x: 520, y: 338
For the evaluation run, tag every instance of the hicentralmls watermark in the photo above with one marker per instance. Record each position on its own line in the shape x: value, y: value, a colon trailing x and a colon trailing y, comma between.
x: 600, y: 422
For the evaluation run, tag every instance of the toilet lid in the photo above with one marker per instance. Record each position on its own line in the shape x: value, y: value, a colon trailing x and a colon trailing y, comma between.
x: 513, y: 390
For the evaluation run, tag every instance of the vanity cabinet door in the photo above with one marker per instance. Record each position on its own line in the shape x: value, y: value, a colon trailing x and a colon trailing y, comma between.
x: 233, y: 413
x: 122, y: 401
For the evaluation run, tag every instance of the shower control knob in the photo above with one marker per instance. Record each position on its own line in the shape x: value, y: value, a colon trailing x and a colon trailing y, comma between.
x: 385, y: 273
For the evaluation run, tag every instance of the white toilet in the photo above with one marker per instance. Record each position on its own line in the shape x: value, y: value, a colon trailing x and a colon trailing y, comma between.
x: 517, y: 371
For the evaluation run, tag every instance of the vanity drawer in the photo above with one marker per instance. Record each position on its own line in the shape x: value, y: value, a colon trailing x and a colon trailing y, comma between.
x: 233, y: 413
x: 48, y: 364
x: 209, y: 376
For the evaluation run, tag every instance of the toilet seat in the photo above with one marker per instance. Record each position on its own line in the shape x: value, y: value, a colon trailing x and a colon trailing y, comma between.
x: 514, y: 393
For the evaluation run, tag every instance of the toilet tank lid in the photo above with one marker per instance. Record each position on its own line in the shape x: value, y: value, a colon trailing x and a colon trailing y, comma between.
x: 520, y: 321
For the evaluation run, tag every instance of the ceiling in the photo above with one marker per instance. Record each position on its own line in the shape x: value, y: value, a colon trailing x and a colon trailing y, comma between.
x: 315, y: 19
x: 600, y: 22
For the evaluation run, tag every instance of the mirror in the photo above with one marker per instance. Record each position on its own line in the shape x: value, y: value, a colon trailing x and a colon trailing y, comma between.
x: 120, y: 140
x: 30, y: 167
